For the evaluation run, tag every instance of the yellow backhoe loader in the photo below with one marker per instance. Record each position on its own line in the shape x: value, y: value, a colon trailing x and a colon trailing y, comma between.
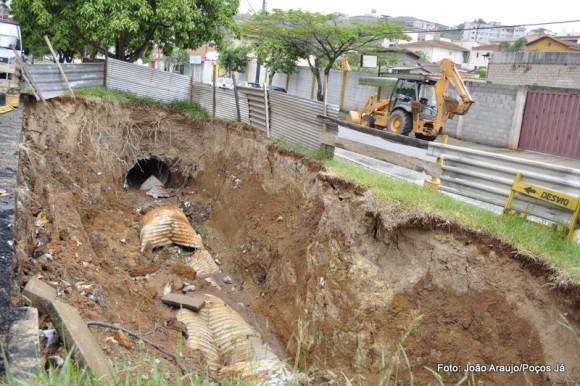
x: 421, y: 104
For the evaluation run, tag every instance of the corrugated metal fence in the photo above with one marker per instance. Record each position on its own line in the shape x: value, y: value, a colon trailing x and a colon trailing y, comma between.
x: 488, y: 177
x: 50, y: 82
x: 225, y: 106
x: 147, y: 82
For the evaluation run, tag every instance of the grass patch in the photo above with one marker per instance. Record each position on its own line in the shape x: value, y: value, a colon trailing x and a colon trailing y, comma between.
x: 190, y: 110
x: 527, y: 236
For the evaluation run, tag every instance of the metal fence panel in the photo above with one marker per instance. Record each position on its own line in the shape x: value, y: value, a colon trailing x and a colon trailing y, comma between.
x: 488, y: 177
x: 147, y: 82
x: 294, y: 119
x: 550, y: 124
x: 225, y: 101
x: 48, y: 79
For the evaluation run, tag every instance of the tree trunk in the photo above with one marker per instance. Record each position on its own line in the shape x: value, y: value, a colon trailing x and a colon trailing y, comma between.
x: 320, y: 85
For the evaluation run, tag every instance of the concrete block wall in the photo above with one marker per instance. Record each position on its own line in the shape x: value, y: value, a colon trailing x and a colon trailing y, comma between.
x: 491, y: 120
x: 533, y: 68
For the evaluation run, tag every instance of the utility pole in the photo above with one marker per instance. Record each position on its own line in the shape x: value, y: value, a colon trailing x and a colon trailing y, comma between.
x: 263, y: 5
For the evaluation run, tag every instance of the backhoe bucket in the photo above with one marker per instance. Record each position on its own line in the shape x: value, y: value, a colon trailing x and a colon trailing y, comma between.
x: 354, y: 117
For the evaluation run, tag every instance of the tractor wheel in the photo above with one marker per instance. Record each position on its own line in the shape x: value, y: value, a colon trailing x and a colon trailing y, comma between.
x: 368, y: 120
x: 400, y: 122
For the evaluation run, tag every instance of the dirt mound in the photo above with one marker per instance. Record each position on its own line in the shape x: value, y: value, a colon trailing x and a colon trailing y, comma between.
x: 329, y: 278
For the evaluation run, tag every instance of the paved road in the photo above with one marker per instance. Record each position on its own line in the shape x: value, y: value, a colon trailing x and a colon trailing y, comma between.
x: 10, y: 128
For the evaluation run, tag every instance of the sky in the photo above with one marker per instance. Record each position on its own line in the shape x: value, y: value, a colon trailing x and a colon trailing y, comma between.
x: 507, y: 12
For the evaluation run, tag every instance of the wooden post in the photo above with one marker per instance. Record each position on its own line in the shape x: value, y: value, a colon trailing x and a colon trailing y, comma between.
x: 28, y: 76
x: 58, y: 64
x: 267, y: 110
x: 287, y: 81
x: 191, y: 83
x: 213, y: 90
x: 238, y: 115
x: 342, y: 90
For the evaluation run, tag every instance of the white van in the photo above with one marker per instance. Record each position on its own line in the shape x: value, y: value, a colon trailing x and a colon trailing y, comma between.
x: 9, y: 37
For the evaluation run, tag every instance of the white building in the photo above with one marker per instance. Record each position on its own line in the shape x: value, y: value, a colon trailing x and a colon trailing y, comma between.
x: 491, y: 32
x: 437, y: 50
x: 421, y: 25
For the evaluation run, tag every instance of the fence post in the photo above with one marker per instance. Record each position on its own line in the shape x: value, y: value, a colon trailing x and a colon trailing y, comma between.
x: 434, y: 182
x: 342, y: 90
x: 213, y: 75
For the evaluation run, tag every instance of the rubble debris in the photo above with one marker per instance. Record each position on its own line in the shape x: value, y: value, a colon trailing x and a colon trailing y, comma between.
x: 190, y: 302
x: 23, y: 345
x: 188, y: 288
x: 150, y: 183
x: 158, y: 192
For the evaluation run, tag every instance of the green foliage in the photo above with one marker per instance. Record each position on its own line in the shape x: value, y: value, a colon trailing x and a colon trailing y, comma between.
x: 318, y: 38
x: 179, y: 56
x: 517, y: 46
x: 234, y: 58
x: 132, y: 27
x: 277, y: 56
x: 482, y: 72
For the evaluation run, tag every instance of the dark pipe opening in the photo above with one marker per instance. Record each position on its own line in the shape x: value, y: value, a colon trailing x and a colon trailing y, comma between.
x: 146, y: 168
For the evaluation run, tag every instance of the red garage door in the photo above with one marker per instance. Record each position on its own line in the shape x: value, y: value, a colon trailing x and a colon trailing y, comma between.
x: 551, y: 124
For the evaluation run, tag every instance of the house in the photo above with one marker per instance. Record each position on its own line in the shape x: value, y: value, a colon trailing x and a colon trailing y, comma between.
x: 551, y: 43
x: 436, y: 50
x: 480, y: 55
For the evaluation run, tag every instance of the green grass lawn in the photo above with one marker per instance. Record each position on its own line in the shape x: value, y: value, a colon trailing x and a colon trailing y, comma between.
x: 527, y: 236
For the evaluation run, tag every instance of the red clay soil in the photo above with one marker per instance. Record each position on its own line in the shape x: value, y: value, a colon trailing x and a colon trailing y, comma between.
x: 311, y: 255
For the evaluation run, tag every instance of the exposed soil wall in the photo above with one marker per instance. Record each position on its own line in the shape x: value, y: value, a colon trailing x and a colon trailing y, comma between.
x: 311, y: 255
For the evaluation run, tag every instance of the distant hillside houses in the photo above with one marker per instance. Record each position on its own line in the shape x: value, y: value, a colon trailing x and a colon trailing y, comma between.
x: 491, y: 32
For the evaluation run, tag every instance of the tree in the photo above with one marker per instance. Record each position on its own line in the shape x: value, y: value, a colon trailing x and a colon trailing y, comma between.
x: 319, y: 39
x: 517, y: 46
x: 482, y: 72
x: 179, y: 57
x: 234, y: 59
x: 131, y: 27
x: 276, y: 56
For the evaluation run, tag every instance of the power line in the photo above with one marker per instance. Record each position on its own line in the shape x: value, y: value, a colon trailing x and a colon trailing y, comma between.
x: 492, y: 27
x: 250, y: 4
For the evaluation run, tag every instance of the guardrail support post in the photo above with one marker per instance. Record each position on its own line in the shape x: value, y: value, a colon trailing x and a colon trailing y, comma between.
x: 434, y: 182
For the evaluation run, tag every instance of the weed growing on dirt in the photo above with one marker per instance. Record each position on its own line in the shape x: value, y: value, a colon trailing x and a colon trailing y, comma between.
x: 190, y: 110
x: 303, y: 341
x: 527, y: 236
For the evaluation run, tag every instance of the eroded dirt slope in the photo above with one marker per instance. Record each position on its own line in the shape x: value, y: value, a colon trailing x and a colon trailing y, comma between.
x: 310, y: 254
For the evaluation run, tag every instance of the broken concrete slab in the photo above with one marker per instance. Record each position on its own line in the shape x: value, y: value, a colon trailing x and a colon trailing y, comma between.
x: 71, y: 326
x: 39, y: 294
x: 158, y: 192
x: 194, y: 303
x: 77, y: 336
x: 150, y: 183
x: 23, y: 344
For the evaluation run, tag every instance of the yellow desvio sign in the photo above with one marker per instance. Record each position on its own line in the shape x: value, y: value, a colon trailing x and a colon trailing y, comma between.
x: 557, y: 198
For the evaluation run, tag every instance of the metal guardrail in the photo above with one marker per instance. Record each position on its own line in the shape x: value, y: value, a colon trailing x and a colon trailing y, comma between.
x: 488, y: 177
x: 51, y: 84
